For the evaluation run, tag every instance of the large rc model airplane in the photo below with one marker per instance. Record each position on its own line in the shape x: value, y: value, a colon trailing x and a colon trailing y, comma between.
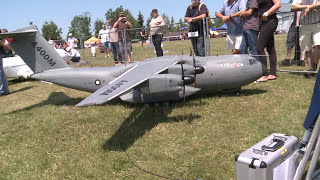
x: 161, y: 79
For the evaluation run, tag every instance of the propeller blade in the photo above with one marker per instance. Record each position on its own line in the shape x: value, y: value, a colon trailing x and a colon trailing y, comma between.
x: 182, y: 78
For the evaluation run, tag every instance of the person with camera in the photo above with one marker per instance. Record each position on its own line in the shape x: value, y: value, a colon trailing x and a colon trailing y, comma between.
x: 124, y: 26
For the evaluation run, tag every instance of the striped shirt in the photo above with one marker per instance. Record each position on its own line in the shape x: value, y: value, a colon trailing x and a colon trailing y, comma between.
x: 313, y: 17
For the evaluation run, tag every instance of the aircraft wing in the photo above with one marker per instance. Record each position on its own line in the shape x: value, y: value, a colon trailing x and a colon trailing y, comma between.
x: 130, y: 79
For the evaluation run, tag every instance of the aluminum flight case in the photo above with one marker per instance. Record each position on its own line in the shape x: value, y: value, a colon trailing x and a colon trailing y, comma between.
x: 270, y: 159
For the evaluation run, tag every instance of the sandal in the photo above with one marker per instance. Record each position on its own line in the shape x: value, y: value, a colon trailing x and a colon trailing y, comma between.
x: 263, y: 79
x: 272, y: 77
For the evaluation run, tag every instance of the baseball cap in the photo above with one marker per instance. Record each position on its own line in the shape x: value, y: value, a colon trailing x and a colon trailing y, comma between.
x: 70, y: 34
x: 154, y: 10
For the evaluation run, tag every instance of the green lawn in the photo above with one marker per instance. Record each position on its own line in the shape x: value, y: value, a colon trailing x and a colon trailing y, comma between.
x: 44, y: 136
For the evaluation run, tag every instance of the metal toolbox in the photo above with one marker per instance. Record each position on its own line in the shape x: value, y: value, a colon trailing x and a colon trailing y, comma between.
x: 270, y: 159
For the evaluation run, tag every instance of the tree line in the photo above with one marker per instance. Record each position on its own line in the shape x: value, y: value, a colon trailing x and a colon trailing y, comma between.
x: 81, y: 24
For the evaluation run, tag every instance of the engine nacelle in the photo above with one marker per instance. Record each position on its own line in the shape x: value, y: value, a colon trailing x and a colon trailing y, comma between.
x: 176, y: 69
x: 162, y: 83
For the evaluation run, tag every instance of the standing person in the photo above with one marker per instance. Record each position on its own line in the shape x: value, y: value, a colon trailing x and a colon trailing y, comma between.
x: 72, y: 41
x: 293, y: 41
x: 8, y: 50
x: 57, y: 43
x: 156, y: 31
x: 105, y: 40
x: 309, y: 31
x: 194, y: 16
x: 4, y: 89
x: 234, y: 31
x: 250, y: 28
x: 50, y: 41
x: 93, y: 48
x: 269, y: 23
x: 114, y: 41
x: 124, y: 44
x: 143, y: 36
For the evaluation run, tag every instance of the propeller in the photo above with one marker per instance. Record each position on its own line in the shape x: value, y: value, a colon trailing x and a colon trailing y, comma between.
x: 186, y: 80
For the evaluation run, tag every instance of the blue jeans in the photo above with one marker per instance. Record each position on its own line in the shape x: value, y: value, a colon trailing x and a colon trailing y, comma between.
x: 249, y: 40
x: 116, y: 52
x: 3, y: 79
x: 198, y: 45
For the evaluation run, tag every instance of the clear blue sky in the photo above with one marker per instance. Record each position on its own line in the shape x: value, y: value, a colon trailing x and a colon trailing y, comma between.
x: 18, y: 13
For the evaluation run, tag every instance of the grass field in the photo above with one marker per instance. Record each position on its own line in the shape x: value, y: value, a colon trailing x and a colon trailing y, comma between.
x: 44, y: 136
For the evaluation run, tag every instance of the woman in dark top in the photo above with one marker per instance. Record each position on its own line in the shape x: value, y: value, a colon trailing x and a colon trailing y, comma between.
x: 269, y: 23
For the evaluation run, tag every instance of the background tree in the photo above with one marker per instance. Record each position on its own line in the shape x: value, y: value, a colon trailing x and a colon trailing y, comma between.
x: 218, y: 22
x: 140, y: 19
x: 182, y: 24
x: 115, y: 15
x: 50, y: 30
x: 149, y: 20
x: 166, y: 19
x: 97, y: 26
x: 80, y: 26
x: 135, y: 34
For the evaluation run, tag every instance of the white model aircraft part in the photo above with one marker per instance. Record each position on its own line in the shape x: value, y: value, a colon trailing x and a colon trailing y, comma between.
x: 15, y: 67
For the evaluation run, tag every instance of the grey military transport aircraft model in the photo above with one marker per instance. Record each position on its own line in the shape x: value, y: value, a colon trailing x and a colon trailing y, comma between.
x: 161, y: 79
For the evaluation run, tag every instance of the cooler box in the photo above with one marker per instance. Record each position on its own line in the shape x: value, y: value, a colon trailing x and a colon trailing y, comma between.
x: 270, y: 159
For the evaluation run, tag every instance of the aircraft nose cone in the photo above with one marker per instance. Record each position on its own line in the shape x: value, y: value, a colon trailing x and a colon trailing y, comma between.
x: 188, y: 80
x: 198, y: 69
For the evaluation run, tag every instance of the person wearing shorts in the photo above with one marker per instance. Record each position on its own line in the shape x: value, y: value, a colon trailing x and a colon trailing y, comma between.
x: 105, y: 40
x: 125, y: 45
x: 309, y: 31
x: 293, y: 41
x: 234, y: 31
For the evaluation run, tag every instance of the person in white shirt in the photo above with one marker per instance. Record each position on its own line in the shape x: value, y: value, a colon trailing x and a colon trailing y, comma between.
x: 72, y: 41
x: 156, y: 31
x: 93, y: 49
x: 105, y: 40
x: 74, y: 54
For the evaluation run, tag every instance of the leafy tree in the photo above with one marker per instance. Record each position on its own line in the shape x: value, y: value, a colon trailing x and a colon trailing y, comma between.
x: 115, y: 15
x: 167, y: 21
x: 50, y: 29
x: 149, y: 20
x: 181, y: 24
x: 97, y: 26
x: 140, y: 19
x: 80, y: 26
x: 218, y: 22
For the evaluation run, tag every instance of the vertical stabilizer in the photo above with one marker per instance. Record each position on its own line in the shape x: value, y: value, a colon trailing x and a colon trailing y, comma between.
x: 34, y: 49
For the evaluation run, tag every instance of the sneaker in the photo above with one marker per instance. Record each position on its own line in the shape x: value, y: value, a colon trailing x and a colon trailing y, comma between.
x: 263, y: 79
x: 285, y: 62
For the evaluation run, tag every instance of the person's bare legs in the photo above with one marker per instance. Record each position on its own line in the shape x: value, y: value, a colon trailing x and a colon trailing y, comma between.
x: 289, y: 51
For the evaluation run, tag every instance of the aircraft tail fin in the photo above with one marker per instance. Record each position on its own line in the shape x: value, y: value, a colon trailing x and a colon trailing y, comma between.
x: 34, y: 49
